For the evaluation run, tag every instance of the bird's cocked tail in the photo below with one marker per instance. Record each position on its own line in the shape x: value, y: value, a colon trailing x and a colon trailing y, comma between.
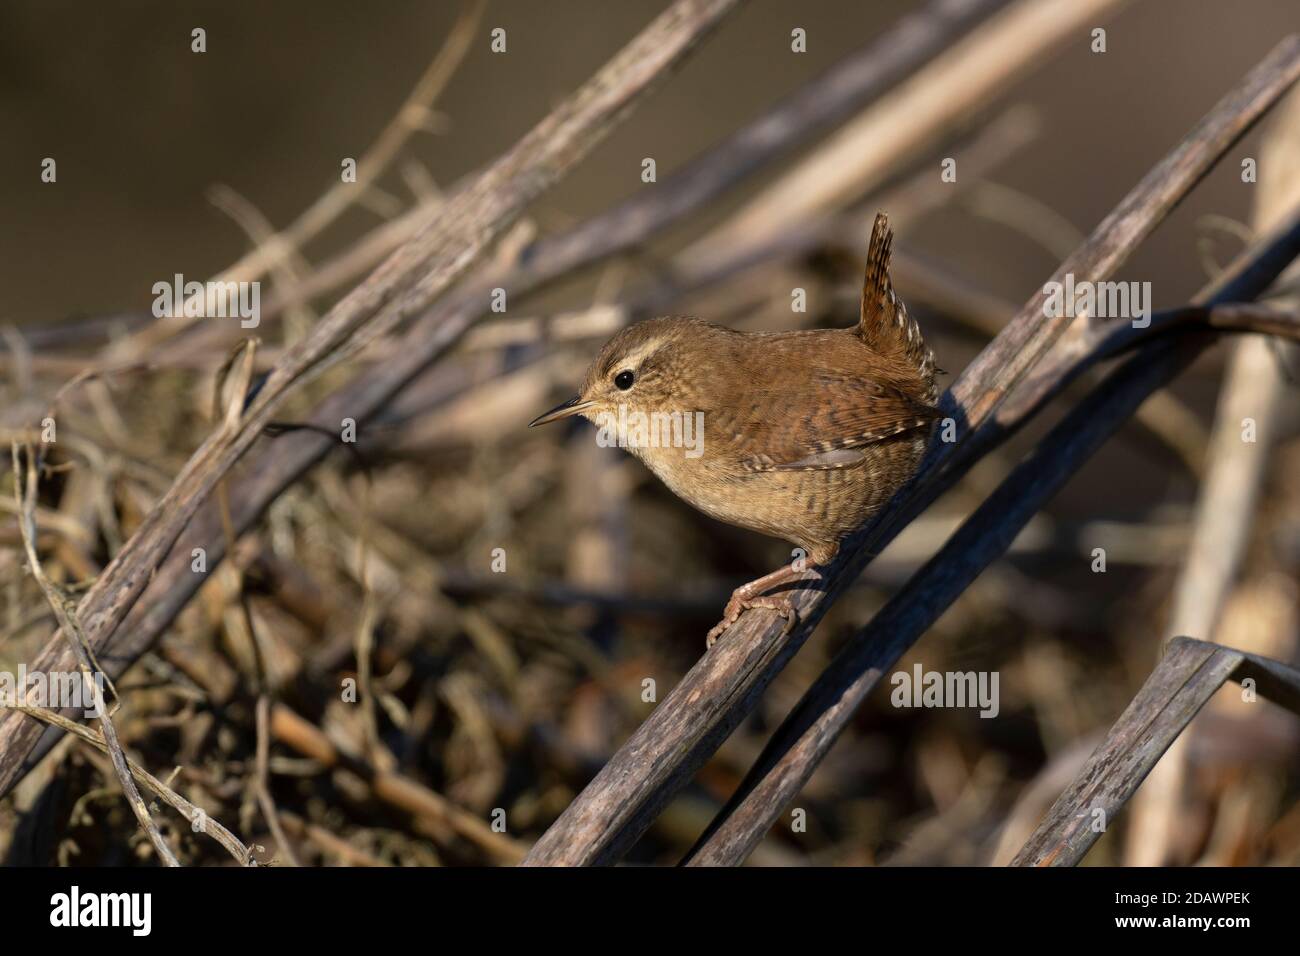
x: 884, y: 323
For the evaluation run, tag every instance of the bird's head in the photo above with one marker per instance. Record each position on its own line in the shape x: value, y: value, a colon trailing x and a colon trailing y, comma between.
x: 650, y: 367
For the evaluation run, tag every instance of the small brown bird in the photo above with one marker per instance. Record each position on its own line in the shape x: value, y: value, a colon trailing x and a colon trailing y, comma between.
x: 801, y: 435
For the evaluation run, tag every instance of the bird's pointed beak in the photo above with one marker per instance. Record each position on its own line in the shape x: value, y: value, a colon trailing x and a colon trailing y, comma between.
x: 574, y: 406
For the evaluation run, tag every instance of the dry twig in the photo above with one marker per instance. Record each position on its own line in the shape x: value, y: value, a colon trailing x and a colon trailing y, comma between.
x: 25, y: 499
x: 1187, y: 676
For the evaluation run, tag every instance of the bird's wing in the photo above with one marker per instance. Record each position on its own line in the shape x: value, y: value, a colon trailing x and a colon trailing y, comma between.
x: 848, y: 414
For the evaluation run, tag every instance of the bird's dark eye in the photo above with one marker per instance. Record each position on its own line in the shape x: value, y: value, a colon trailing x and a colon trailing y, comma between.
x: 624, y: 380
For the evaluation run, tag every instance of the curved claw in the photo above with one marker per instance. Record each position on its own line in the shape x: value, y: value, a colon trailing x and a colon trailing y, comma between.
x: 738, y: 603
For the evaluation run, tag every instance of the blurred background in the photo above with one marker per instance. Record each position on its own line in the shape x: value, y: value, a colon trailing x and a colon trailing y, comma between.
x: 507, y: 690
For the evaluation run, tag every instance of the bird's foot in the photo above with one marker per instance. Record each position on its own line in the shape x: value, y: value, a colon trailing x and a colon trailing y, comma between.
x: 782, y: 605
x: 750, y: 596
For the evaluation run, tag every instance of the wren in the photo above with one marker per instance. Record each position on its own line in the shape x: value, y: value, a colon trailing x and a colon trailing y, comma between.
x: 806, y: 434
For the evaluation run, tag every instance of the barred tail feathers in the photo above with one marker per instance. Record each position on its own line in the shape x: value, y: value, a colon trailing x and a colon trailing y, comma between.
x: 884, y: 323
